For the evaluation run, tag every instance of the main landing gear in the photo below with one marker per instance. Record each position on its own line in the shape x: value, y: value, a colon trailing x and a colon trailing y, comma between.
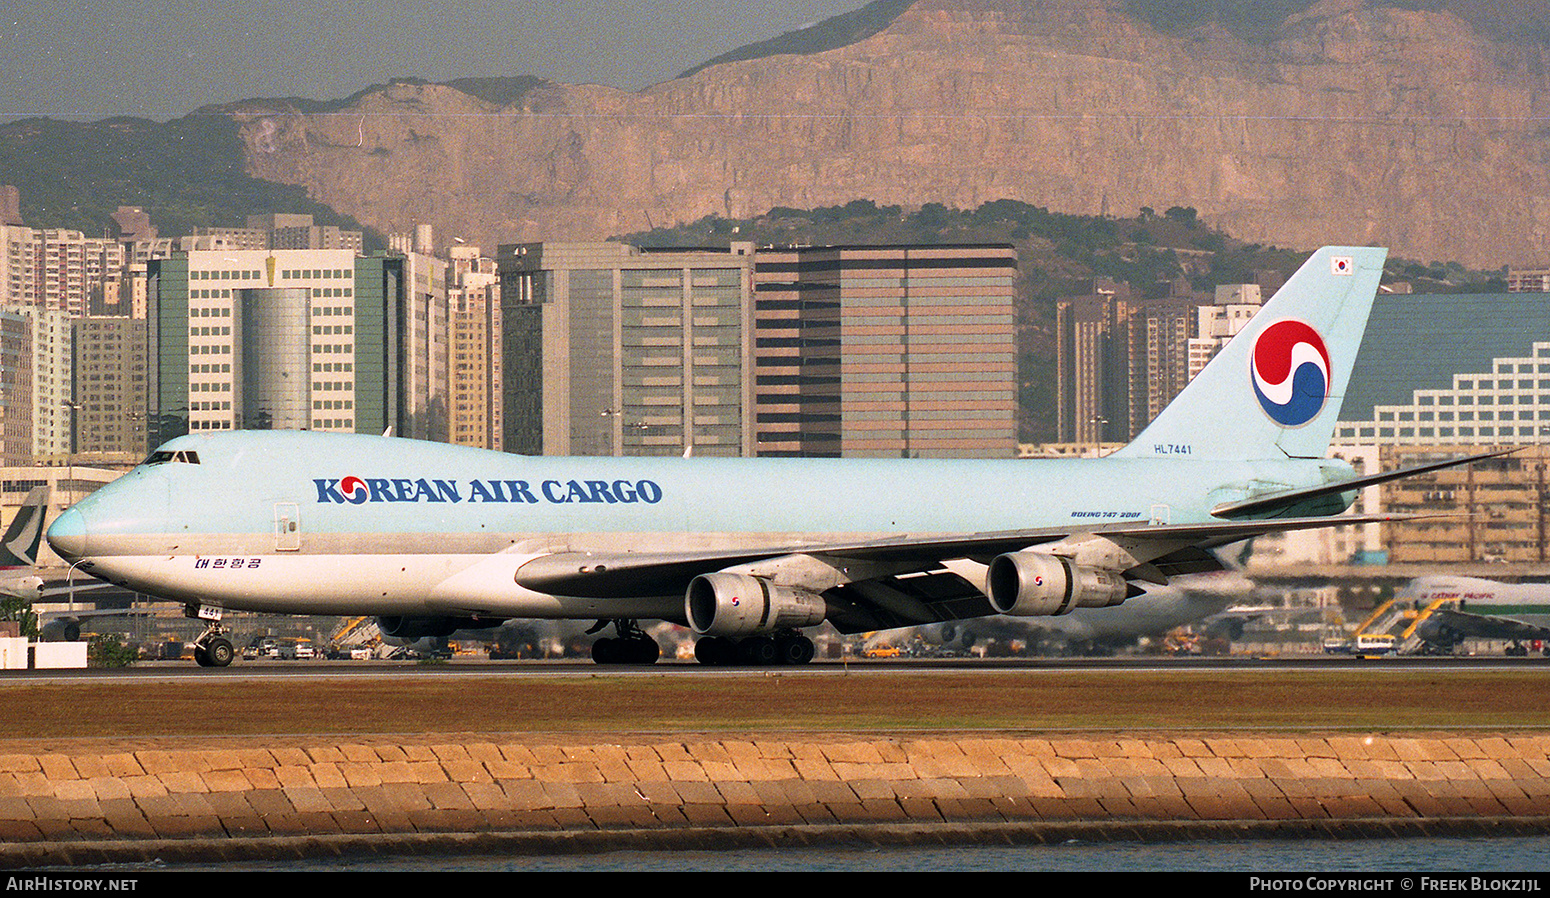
x: 632, y: 646
x: 211, y: 648
x: 783, y: 648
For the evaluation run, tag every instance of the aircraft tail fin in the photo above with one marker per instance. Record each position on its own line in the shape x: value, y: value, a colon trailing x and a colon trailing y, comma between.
x: 1276, y: 388
x: 19, y: 546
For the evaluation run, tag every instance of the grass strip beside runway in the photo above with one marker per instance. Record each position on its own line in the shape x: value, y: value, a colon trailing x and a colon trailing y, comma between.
x: 508, y: 701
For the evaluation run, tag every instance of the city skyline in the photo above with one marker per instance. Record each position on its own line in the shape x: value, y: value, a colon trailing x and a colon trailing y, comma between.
x: 163, y: 59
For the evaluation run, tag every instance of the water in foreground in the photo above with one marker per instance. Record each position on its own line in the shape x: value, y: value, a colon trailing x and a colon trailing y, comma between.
x: 1401, y: 856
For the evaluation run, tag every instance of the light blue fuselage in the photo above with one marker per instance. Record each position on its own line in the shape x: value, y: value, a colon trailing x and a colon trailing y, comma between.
x: 479, y: 498
x: 280, y: 520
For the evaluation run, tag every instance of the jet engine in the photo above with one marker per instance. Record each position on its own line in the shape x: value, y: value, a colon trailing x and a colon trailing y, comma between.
x: 725, y: 604
x: 1028, y: 584
x: 420, y: 627
x: 61, y: 629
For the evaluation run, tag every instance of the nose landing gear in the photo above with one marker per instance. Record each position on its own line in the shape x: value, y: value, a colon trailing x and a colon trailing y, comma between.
x: 211, y: 648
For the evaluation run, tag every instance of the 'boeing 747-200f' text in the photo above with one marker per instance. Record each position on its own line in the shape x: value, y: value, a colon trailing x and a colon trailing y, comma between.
x: 745, y: 552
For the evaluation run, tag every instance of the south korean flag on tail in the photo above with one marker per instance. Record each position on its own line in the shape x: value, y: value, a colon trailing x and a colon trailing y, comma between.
x: 1342, y: 265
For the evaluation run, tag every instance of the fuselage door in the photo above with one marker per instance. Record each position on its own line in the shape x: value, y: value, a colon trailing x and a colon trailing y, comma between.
x: 1159, y: 516
x: 287, y: 527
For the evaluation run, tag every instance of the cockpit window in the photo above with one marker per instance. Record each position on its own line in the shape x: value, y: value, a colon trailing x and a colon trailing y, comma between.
x: 162, y: 456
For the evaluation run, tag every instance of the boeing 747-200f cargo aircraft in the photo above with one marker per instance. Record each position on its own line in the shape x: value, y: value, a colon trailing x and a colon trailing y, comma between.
x: 746, y: 552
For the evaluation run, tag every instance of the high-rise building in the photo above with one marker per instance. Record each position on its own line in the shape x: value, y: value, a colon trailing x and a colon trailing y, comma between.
x: 474, y: 385
x: 823, y: 351
x: 1501, y: 505
x: 423, y: 349
x: 130, y: 300
x: 1121, y: 359
x: 18, y: 265
x: 1219, y: 322
x: 314, y: 339
x: 57, y: 269
x: 73, y: 268
x: 10, y: 205
x: 217, y: 239
x: 53, y: 387
x: 111, y: 376
x: 278, y: 230
x: 1158, y: 333
x: 885, y: 351
x: 1456, y: 369
x: 15, y: 389
x: 131, y: 224
x: 1092, y: 366
x: 613, y: 350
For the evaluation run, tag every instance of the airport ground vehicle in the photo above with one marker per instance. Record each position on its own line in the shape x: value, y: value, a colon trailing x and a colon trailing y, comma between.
x: 1374, y: 644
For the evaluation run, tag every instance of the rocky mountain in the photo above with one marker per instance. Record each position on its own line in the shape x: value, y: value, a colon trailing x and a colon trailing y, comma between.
x: 1420, y: 127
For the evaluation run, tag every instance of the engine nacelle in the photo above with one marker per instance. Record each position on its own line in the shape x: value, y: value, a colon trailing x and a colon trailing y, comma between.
x: 420, y: 627
x: 60, y: 629
x: 739, y: 605
x: 1029, y: 584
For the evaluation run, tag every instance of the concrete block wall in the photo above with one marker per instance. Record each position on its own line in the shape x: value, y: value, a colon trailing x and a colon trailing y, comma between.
x: 96, y: 791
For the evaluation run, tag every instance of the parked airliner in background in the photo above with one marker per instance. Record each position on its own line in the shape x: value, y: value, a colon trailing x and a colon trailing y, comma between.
x: 1464, y: 607
x: 746, y: 552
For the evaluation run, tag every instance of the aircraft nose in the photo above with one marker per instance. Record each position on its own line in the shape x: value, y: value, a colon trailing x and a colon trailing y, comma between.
x: 67, y: 535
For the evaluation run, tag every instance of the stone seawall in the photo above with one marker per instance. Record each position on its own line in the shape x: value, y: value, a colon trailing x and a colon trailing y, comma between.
x: 98, y: 800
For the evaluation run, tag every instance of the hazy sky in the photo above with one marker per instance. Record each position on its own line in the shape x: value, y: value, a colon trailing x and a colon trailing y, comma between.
x: 164, y: 58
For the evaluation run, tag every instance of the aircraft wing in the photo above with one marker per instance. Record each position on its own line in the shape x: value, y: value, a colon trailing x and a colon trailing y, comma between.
x: 1481, y: 626
x: 897, y: 581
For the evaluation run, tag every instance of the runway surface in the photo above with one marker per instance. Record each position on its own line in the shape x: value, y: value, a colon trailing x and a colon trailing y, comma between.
x: 183, y: 701
x: 571, y: 667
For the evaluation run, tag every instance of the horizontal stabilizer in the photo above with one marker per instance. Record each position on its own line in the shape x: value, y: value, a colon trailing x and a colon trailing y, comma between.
x: 1283, y: 501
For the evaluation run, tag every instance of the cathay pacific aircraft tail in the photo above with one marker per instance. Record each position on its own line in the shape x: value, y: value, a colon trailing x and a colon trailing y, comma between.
x: 19, y: 548
x: 746, y: 552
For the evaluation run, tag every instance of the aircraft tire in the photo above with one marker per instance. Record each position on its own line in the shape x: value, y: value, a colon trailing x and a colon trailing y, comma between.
x: 644, y: 651
x: 712, y: 651
x: 605, y: 651
x: 759, y: 651
x: 201, y: 656
x: 795, y: 649
x: 219, y: 653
